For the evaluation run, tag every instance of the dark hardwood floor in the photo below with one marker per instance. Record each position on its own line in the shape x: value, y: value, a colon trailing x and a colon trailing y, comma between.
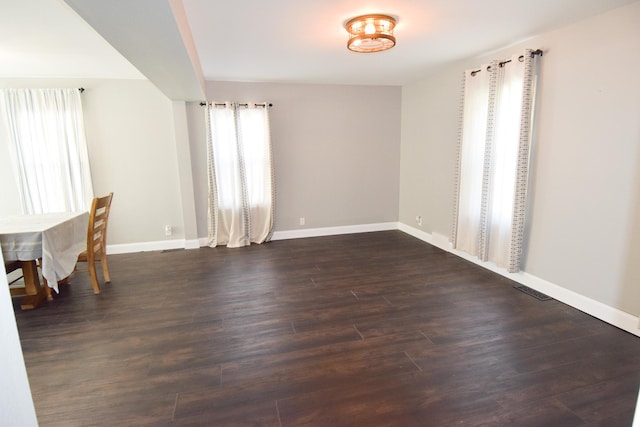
x: 373, y: 329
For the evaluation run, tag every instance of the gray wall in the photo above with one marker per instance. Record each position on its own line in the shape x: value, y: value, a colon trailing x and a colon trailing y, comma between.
x: 132, y: 150
x: 336, y: 154
x: 336, y: 151
x: 584, y: 215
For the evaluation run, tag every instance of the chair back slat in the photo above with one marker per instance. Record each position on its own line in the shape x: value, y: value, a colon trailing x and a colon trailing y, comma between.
x: 97, y: 230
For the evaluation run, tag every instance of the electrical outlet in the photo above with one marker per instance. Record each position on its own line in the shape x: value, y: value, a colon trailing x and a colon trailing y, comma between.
x: 419, y: 220
x: 167, y: 230
x: 302, y: 221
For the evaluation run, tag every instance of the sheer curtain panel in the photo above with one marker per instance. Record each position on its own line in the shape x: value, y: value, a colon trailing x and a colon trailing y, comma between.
x: 46, y: 128
x: 493, y: 160
x: 240, y: 170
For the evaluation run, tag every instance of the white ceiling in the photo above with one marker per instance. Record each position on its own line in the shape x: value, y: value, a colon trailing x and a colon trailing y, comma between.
x: 46, y: 39
x: 177, y: 43
x: 305, y: 40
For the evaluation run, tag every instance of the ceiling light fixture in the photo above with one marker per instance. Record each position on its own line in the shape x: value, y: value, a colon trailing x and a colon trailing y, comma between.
x: 371, y: 33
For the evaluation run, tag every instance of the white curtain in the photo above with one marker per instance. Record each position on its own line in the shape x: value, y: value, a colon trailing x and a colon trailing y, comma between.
x: 46, y: 127
x: 241, y: 184
x: 493, y: 160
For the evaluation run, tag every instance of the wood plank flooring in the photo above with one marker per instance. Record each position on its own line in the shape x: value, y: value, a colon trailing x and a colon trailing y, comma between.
x: 373, y: 329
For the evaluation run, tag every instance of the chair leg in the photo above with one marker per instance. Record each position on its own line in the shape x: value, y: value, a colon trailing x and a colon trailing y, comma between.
x: 105, y: 268
x: 94, y: 277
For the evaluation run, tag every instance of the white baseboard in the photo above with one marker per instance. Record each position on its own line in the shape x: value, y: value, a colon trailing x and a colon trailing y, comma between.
x: 192, y: 244
x: 332, y: 231
x: 611, y: 315
x: 326, y: 231
x: 161, y: 245
x: 418, y: 234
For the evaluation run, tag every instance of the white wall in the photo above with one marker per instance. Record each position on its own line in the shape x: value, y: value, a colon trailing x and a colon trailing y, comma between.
x: 132, y: 149
x: 336, y: 151
x: 131, y: 129
x: 584, y: 221
x: 16, y: 404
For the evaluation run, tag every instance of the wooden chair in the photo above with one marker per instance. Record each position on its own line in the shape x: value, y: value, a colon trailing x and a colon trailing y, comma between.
x: 11, y: 266
x: 97, y: 240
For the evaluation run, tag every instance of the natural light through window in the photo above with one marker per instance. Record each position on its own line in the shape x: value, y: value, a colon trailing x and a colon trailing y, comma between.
x: 493, y: 160
x: 46, y: 128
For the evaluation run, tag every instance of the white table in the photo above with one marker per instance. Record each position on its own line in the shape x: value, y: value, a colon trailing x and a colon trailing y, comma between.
x: 56, y: 238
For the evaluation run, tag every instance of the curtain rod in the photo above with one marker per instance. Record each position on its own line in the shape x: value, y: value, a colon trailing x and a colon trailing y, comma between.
x: 222, y: 104
x: 503, y: 63
x: 81, y: 89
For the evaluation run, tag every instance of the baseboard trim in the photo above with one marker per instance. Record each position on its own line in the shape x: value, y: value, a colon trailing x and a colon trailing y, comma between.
x: 161, y: 245
x: 611, y: 315
x: 192, y: 244
x: 332, y: 231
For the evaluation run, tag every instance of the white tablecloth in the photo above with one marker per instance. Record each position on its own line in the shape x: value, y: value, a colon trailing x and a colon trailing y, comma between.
x: 57, y: 238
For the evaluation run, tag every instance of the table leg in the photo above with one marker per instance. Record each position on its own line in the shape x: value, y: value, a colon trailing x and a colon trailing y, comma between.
x: 35, y: 292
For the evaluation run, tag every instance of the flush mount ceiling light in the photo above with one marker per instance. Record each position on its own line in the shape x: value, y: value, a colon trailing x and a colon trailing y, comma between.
x: 371, y: 33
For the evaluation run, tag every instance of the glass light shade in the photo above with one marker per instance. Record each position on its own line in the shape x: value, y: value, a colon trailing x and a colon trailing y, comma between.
x: 371, y: 33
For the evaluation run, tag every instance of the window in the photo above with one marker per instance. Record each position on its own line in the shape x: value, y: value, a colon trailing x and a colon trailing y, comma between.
x: 46, y: 129
x: 493, y: 160
x: 240, y: 174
